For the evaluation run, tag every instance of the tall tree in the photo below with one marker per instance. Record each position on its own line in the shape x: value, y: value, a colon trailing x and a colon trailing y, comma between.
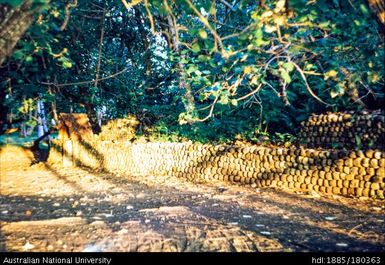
x: 15, y: 18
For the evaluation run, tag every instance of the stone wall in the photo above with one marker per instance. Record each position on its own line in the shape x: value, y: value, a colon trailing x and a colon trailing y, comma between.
x: 362, y: 130
x: 340, y: 172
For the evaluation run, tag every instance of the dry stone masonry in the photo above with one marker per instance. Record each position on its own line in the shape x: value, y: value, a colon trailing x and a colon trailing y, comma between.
x: 362, y: 130
x: 334, y: 171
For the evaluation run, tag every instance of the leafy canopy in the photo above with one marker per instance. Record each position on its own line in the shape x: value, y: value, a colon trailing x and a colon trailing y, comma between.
x: 250, y: 67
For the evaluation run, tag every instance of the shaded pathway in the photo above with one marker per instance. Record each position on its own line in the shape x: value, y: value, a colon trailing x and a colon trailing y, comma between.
x: 52, y: 209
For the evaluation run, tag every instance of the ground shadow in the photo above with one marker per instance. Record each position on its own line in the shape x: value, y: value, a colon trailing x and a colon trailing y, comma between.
x: 297, y: 235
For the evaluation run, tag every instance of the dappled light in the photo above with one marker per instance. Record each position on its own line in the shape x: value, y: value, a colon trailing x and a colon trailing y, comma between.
x: 192, y: 126
x: 109, y: 212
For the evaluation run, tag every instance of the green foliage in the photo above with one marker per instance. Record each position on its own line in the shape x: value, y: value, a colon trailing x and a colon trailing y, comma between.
x: 321, y: 41
x: 358, y: 142
x: 13, y: 3
x: 270, y: 69
x: 17, y: 3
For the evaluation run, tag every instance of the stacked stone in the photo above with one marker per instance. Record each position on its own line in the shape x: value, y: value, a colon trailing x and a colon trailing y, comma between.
x: 350, y: 130
x: 339, y: 172
x: 333, y: 172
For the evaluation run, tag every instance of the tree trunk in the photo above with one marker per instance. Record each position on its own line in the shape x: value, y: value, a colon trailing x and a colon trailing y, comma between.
x: 29, y: 129
x: 183, y: 84
x: 93, y: 117
x: 146, y: 44
x: 13, y: 23
x: 100, y: 50
x: 3, y: 111
x: 36, y: 143
x: 53, y: 105
x: 42, y: 126
x: 23, y: 130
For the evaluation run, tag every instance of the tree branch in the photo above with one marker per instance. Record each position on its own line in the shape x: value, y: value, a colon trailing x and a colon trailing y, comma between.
x: 132, y: 4
x: 251, y: 93
x: 307, y: 85
x: 84, y: 82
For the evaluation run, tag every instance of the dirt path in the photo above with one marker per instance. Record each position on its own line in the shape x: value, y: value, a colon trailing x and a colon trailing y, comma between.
x: 51, y: 209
